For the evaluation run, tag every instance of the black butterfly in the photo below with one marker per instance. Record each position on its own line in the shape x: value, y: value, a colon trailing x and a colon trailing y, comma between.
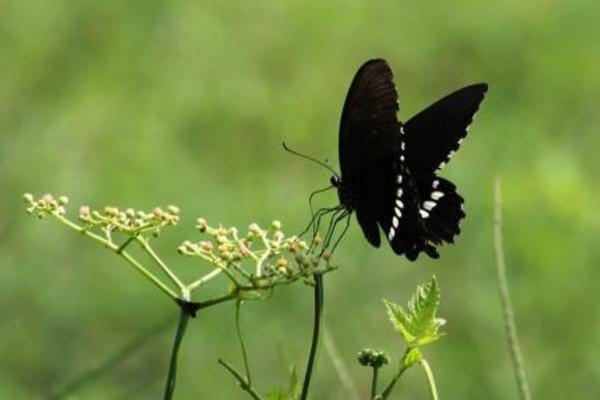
x: 388, y: 169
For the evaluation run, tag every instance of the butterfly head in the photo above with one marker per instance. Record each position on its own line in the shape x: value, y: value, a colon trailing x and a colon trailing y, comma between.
x: 344, y: 194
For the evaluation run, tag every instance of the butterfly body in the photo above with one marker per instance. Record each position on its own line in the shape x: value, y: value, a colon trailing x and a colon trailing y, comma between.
x: 389, y: 169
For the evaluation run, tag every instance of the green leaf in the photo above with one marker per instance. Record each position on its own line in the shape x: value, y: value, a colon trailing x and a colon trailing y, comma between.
x: 418, y: 324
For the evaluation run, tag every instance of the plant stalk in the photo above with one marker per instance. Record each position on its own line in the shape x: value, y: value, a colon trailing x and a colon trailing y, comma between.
x: 430, y: 380
x: 507, y: 312
x: 184, y: 317
x: 315, y: 336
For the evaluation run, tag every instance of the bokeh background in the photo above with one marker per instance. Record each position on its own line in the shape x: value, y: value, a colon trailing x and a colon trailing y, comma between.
x: 145, y: 103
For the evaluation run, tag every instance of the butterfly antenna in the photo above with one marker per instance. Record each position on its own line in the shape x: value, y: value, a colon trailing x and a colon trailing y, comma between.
x: 321, y: 163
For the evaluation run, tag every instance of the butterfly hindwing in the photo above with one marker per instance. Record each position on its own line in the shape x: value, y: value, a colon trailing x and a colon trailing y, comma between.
x: 441, y: 209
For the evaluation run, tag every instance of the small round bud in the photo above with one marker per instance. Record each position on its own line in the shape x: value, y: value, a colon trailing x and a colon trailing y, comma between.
x: 201, y: 225
x: 233, y: 231
x: 282, y: 262
x: 63, y: 200
x: 173, y: 209
x: 221, y: 231
x: 276, y: 225
x: 206, y: 245
x: 130, y: 212
x: 278, y: 235
x: 181, y: 249
x: 221, y: 239
x: 84, y: 212
x: 254, y: 228
x: 226, y: 256
x: 327, y: 256
x: 28, y: 197
x: 317, y: 239
x: 223, y: 247
x: 47, y: 198
x: 293, y: 247
x: 157, y: 212
x: 111, y: 211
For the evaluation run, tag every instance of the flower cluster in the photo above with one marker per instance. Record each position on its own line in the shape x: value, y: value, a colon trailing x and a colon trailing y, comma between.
x: 372, y: 358
x: 273, y: 254
x: 128, y: 221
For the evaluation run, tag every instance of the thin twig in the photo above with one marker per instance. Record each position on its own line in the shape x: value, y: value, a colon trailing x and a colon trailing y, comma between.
x: 509, y: 319
x: 238, y: 330
x: 123, y: 254
x: 315, y: 337
x: 242, y: 382
x: 174, y: 278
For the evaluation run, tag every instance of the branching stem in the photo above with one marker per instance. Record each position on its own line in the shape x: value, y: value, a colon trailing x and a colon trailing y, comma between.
x: 123, y: 254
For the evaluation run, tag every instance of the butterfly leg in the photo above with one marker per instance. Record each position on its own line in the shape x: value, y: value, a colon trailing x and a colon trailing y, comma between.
x: 339, y: 239
x: 335, y: 220
x: 310, y: 198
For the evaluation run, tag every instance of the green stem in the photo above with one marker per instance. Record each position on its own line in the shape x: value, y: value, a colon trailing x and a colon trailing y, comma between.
x: 238, y: 329
x: 388, y: 389
x: 374, y: 382
x: 316, y: 332
x: 184, y: 317
x: 121, y: 253
x: 509, y: 318
x: 242, y: 382
x: 430, y: 380
x: 161, y: 264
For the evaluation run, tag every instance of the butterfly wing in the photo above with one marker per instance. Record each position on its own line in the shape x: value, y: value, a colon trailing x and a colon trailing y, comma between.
x: 434, y: 134
x: 432, y: 137
x: 372, y: 161
x: 368, y: 138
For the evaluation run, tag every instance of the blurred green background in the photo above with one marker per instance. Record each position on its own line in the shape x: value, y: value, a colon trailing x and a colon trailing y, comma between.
x: 145, y: 103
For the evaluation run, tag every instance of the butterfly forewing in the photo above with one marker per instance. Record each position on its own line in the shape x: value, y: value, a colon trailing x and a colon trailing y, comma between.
x: 369, y: 123
x: 434, y: 134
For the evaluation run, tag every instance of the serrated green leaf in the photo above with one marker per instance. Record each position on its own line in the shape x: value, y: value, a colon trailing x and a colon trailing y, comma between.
x: 418, y: 324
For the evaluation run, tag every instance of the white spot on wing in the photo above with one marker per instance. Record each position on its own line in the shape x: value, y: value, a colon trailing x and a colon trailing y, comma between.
x: 391, y: 234
x: 435, y: 184
x: 436, y: 195
x: 424, y: 214
x: 402, y: 158
x: 399, y: 192
x: 395, y: 221
x: 442, y: 164
x: 399, y: 204
x: 399, y: 179
x: 428, y: 205
x: 398, y: 212
x: 403, y: 146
